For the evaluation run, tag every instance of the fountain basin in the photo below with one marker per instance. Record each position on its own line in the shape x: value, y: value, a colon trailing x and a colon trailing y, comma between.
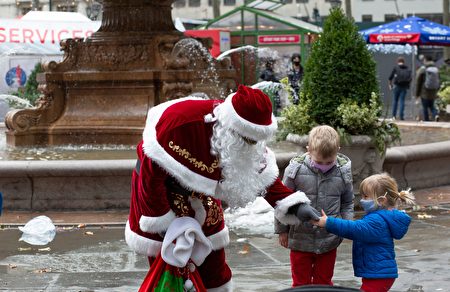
x: 94, y: 184
x: 66, y: 185
x: 105, y: 184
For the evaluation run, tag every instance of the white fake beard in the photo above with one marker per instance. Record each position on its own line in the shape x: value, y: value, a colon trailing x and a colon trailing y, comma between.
x: 240, y: 163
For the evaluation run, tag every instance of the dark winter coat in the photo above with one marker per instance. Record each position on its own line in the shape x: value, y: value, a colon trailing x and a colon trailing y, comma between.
x: 332, y: 192
x: 295, y: 78
x: 421, y: 91
x: 394, y: 73
x: 268, y: 75
x: 373, y: 241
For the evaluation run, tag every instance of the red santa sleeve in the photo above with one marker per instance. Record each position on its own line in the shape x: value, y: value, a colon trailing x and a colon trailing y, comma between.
x: 154, y: 207
x: 150, y: 213
x: 281, y: 198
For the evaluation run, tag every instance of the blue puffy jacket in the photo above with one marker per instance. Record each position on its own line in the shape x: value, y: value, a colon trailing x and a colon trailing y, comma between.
x: 373, y: 241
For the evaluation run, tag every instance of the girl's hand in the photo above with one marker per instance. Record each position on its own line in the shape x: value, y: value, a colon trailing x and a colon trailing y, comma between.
x: 322, y: 220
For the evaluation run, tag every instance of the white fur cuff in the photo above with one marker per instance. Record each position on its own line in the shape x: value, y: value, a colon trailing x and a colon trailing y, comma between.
x: 282, y: 207
x: 227, y: 287
x: 140, y: 244
x: 156, y: 224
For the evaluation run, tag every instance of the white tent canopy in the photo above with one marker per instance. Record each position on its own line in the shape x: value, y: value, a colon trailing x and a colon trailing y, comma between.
x: 56, y: 16
x: 36, y: 38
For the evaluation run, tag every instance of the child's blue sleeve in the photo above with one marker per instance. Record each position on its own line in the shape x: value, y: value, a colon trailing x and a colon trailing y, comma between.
x: 366, y: 229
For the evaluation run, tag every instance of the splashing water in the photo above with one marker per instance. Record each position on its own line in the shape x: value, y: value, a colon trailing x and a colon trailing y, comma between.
x: 11, y: 99
x: 274, y: 88
x: 198, y: 53
x: 240, y: 49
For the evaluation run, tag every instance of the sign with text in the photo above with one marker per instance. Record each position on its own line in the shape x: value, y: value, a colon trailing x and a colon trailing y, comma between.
x: 44, y: 33
x: 278, y: 39
x: 394, y: 38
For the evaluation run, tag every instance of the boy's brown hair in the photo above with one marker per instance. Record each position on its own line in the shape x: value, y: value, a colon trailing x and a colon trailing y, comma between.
x: 324, y: 140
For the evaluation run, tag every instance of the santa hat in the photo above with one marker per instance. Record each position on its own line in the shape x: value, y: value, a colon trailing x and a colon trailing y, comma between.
x: 249, y: 113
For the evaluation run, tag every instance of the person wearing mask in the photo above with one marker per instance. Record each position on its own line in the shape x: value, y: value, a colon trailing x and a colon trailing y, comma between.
x: 295, y: 76
x: 373, y: 235
x: 326, y: 177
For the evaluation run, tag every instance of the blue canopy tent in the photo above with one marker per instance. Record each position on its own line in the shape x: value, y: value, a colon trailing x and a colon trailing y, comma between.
x: 411, y: 30
x: 402, y: 37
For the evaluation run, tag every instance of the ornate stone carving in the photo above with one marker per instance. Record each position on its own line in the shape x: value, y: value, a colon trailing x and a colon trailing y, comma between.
x: 176, y: 90
x: 45, y: 100
x: 104, y: 85
x: 21, y: 120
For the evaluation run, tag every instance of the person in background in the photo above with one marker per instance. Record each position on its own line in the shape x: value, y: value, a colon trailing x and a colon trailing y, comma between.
x: 399, y: 82
x: 268, y: 74
x: 427, y: 87
x: 373, y: 235
x: 326, y: 178
x: 295, y: 76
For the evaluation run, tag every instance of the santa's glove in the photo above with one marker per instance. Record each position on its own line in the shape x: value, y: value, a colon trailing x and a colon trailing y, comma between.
x: 304, y: 212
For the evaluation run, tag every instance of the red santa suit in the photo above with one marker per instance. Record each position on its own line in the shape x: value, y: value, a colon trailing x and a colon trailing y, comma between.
x: 178, y: 176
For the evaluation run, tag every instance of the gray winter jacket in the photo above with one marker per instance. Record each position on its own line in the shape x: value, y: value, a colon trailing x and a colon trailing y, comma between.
x: 332, y: 192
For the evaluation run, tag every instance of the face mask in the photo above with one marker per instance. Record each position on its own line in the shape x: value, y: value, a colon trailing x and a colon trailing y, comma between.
x: 368, y: 205
x: 296, y: 63
x: 322, y: 167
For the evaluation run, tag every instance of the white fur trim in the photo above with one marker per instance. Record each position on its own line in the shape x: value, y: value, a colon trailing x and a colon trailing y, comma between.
x: 156, y: 224
x: 227, y: 287
x: 283, y: 205
x: 270, y: 173
x: 156, y: 152
x: 230, y: 117
x: 200, y: 212
x: 185, y: 240
x: 220, y: 239
x: 140, y: 244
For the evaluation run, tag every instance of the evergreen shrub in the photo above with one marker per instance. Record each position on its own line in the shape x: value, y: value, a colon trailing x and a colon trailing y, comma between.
x: 340, y: 87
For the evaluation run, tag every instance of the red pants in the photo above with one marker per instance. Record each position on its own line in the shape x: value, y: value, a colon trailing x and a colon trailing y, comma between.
x: 309, y: 268
x: 377, y: 285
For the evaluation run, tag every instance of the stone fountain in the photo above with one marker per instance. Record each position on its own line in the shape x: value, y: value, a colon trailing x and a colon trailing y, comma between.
x: 102, y: 90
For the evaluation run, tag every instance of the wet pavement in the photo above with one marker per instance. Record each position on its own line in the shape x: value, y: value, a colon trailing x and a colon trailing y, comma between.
x: 95, y: 257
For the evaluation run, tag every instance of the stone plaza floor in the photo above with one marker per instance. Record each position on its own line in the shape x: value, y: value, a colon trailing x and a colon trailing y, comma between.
x: 95, y: 257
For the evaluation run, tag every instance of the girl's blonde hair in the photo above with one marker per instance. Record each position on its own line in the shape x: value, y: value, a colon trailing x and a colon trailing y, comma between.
x: 324, y: 140
x: 383, y: 185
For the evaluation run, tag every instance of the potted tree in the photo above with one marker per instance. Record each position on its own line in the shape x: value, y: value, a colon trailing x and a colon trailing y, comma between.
x: 340, y: 89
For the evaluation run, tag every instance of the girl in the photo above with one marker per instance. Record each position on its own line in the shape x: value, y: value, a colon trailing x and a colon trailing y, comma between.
x: 373, y: 235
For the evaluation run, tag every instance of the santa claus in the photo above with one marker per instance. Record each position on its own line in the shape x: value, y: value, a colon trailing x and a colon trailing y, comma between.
x: 194, y: 154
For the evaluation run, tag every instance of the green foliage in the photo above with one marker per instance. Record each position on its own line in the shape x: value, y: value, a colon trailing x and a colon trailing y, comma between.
x: 364, y: 119
x: 296, y: 120
x: 287, y: 86
x: 444, y: 74
x: 31, y: 92
x: 444, y: 97
x: 340, y: 88
x: 357, y: 119
x: 339, y: 67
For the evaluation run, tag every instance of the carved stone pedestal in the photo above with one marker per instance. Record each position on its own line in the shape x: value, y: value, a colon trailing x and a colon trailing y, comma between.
x: 102, y: 90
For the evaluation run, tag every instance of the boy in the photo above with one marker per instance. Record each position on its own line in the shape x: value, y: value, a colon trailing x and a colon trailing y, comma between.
x: 326, y: 178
